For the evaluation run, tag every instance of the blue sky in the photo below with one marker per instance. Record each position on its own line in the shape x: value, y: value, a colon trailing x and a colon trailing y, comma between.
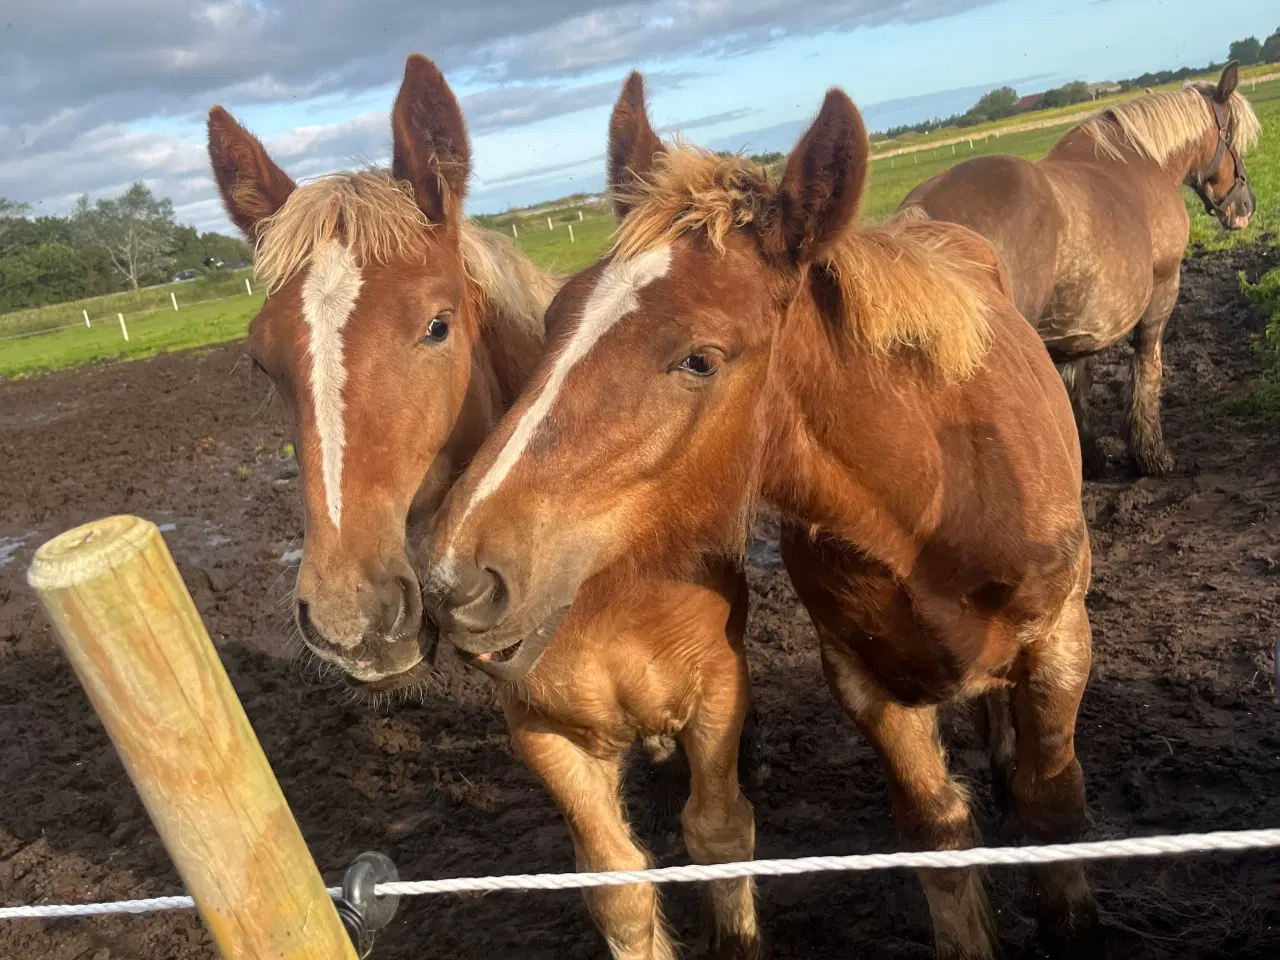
x: 536, y: 77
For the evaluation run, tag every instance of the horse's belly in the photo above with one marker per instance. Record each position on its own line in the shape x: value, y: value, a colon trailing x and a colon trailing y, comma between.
x: 1092, y: 310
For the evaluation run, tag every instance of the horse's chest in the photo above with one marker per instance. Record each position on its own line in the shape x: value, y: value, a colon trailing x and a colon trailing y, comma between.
x: 609, y: 705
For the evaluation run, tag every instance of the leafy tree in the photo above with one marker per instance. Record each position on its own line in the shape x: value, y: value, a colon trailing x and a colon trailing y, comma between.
x: 12, y: 215
x: 34, y: 276
x: 1270, y: 52
x: 1246, y: 51
x: 1075, y: 92
x: 994, y: 105
x: 191, y: 249
x: 135, y: 229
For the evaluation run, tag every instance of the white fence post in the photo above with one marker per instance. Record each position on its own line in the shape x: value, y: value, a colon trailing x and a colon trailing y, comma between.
x: 247, y: 288
x: 174, y: 297
x: 550, y: 226
x: 579, y: 216
x: 86, y: 319
x: 570, y: 226
x: 515, y: 234
x: 123, y: 329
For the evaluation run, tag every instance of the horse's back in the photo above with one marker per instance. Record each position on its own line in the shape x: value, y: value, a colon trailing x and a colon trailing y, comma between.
x: 1008, y: 201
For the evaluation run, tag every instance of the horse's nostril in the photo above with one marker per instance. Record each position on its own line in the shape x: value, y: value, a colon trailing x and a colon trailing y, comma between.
x: 497, y: 589
x: 309, y: 632
x: 480, y: 600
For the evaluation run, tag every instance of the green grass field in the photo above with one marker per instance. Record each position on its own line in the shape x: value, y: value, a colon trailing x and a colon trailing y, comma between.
x: 891, y: 179
x: 199, y: 325
x: 129, y: 302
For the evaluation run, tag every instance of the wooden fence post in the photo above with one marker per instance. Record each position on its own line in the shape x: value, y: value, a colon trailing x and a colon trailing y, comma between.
x: 248, y: 288
x: 174, y: 297
x: 124, y: 331
x: 86, y: 319
x: 570, y: 226
x: 129, y: 628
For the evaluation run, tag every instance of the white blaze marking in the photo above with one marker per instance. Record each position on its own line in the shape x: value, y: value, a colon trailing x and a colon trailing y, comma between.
x: 328, y: 297
x: 616, y: 295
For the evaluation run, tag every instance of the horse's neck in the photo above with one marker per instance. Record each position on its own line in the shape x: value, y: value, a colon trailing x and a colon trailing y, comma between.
x: 1078, y: 145
x: 824, y: 420
x: 511, y: 352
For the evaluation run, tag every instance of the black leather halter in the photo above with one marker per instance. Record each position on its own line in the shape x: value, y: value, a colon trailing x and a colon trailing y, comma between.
x: 1218, y: 207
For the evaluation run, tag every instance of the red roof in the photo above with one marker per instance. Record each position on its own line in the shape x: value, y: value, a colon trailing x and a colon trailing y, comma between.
x: 1029, y: 101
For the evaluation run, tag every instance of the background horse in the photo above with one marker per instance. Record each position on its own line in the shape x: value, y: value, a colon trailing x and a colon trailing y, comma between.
x: 1093, y: 234
x: 397, y: 332
x: 880, y: 389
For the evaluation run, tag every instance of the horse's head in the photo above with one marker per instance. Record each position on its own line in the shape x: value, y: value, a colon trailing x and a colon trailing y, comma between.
x: 637, y: 435
x: 367, y: 334
x: 1220, y: 179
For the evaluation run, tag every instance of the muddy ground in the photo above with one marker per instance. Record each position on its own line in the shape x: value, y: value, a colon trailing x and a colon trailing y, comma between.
x: 1180, y: 729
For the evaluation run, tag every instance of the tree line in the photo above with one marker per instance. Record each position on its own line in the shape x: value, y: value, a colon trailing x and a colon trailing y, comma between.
x: 1004, y: 101
x: 114, y: 244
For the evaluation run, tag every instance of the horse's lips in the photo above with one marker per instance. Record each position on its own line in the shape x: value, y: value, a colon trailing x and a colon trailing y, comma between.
x: 501, y: 656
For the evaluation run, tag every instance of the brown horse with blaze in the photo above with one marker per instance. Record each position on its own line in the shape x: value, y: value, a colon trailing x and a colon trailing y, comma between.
x: 745, y: 342
x: 397, y: 333
x: 1093, y: 234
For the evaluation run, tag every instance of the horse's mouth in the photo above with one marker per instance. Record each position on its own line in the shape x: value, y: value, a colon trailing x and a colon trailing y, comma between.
x: 504, y: 655
x: 396, y: 681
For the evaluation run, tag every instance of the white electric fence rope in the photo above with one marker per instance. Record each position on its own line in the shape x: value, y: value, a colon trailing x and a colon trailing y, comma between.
x: 696, y: 873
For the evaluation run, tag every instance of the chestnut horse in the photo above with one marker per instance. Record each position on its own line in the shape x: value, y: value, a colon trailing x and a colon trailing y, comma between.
x: 1093, y: 234
x: 745, y: 343
x: 397, y: 332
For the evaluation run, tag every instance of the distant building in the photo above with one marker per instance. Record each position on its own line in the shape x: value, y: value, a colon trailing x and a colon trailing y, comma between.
x: 1029, y: 102
x: 1103, y: 88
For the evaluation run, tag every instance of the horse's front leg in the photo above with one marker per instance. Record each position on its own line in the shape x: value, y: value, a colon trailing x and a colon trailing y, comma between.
x: 719, y: 822
x: 930, y: 806
x: 587, y: 789
x: 1048, y: 785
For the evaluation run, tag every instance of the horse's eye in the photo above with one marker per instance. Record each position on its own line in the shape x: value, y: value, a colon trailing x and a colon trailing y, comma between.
x: 438, y: 328
x: 700, y: 364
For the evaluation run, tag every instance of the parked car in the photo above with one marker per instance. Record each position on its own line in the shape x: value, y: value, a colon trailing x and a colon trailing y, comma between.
x: 183, y: 275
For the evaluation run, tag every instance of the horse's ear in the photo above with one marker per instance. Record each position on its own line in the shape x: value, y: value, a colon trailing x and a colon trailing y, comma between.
x: 252, y: 186
x: 1228, y: 82
x: 430, y: 146
x: 819, y: 194
x: 633, y: 146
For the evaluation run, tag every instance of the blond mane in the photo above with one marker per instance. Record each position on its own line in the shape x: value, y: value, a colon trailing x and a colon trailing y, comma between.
x: 376, y: 217
x: 903, y: 285
x: 1163, y: 124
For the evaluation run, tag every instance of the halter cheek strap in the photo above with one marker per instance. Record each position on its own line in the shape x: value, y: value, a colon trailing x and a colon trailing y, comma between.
x: 1212, y: 206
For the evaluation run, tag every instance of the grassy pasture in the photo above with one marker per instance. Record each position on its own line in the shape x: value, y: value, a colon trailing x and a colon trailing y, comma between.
x: 129, y: 302
x: 891, y: 179
x: 214, y: 321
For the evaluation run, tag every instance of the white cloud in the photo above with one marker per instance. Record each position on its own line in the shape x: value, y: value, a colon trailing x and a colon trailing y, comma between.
x: 85, y: 81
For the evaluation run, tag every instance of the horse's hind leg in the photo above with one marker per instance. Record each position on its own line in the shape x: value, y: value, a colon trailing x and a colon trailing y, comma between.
x: 1048, y: 786
x: 1146, y: 438
x: 930, y: 807
x: 588, y: 791
x: 1077, y: 377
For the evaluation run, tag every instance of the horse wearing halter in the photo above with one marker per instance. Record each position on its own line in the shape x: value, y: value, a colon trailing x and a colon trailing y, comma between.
x: 1218, y: 207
